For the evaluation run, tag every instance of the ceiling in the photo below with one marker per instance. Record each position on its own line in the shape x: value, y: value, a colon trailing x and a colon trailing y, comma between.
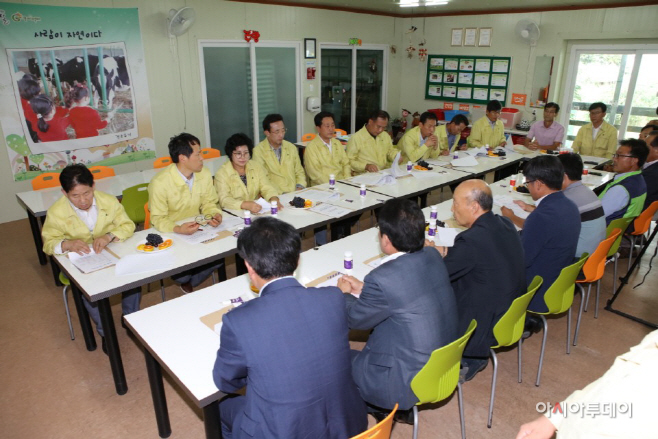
x: 454, y: 7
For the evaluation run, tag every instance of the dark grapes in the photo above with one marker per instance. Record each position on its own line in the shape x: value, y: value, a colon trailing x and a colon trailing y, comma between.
x: 154, y: 239
x: 297, y: 202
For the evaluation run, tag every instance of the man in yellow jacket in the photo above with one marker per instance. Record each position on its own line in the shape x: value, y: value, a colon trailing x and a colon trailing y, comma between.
x: 182, y: 190
x: 84, y: 217
x: 279, y: 157
x: 450, y: 133
x: 371, y: 149
x: 421, y: 142
x: 325, y: 155
x: 488, y: 130
x: 598, y: 138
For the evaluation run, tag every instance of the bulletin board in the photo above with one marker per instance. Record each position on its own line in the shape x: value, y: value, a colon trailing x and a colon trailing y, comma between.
x: 467, y: 79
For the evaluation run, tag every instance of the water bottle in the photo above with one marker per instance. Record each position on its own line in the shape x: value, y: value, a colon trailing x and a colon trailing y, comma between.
x: 247, y: 218
x: 348, y: 262
x: 362, y: 192
x: 274, y: 208
x: 332, y: 181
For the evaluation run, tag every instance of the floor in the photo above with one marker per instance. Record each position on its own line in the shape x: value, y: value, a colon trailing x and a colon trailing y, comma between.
x: 52, y: 387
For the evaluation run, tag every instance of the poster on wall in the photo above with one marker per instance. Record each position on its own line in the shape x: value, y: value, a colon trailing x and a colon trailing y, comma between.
x: 73, y: 86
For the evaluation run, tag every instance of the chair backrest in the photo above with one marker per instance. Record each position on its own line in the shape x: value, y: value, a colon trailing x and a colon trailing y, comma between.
x: 161, y: 162
x: 381, y: 430
x: 595, y: 265
x: 340, y: 132
x: 45, y: 180
x: 559, y: 296
x: 133, y: 200
x: 308, y: 137
x: 147, y: 216
x: 438, y: 378
x: 642, y: 222
x: 509, y: 328
x: 210, y: 153
x: 101, y: 172
x: 619, y: 223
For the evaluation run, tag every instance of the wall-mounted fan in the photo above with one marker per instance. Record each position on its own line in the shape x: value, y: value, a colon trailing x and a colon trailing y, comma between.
x: 528, y: 30
x: 180, y: 21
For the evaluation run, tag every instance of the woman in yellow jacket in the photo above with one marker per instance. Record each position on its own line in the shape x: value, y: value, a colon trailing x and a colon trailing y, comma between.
x: 240, y: 181
x: 84, y: 217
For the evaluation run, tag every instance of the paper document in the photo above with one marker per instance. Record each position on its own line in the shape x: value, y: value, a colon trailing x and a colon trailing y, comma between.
x: 203, y: 234
x: 214, y: 319
x: 229, y: 222
x: 375, y: 261
x: 315, y: 195
x: 374, y: 179
x: 521, y: 149
x: 473, y: 152
x: 465, y: 161
x: 264, y: 205
x: 446, y: 236
x: 507, y: 201
x: 143, y: 263
x: 328, y: 280
x: 330, y: 210
x: 424, y: 174
x: 395, y: 169
x: 92, y: 261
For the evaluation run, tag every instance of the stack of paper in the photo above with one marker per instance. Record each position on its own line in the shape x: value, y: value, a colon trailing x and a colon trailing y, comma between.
x: 374, y: 179
x: 473, y: 152
x: 265, y: 206
x: 330, y: 210
x: 465, y: 161
x: 507, y: 201
x: 204, y: 234
x: 92, y: 261
x: 229, y: 222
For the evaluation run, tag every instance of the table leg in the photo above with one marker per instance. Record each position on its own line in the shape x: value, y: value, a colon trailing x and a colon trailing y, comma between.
x: 112, y: 346
x: 211, y: 421
x: 83, y: 316
x: 36, y: 234
x: 158, y: 395
x: 55, y: 268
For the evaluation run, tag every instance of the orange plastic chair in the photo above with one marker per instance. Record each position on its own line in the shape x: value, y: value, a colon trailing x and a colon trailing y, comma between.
x: 593, y: 270
x: 381, y: 430
x: 641, y: 226
x: 101, y: 172
x: 210, y: 153
x: 161, y: 162
x: 340, y: 132
x: 45, y: 180
x: 147, y: 216
x: 308, y: 137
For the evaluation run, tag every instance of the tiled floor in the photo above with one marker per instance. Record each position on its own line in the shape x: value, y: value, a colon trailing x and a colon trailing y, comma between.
x: 53, y: 388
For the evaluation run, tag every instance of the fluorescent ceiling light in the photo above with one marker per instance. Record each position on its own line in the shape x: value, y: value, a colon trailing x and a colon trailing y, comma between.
x: 417, y: 3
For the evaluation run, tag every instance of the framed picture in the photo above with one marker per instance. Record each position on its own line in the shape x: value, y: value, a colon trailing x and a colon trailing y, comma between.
x: 485, y: 37
x: 309, y: 48
x: 457, y: 37
x: 470, y: 34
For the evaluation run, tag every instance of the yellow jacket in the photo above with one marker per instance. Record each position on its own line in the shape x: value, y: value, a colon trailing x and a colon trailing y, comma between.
x: 287, y: 174
x: 442, y: 133
x: 319, y: 162
x: 63, y: 223
x: 482, y: 134
x: 232, y: 191
x: 170, y: 199
x: 363, y: 149
x: 411, y: 148
x: 604, y: 145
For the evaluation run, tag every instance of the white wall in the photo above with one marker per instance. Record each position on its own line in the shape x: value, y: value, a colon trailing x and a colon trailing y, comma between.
x: 176, y: 99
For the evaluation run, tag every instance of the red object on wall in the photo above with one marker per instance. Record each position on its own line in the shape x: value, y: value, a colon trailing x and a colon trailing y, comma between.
x: 310, y: 73
x: 251, y: 35
x: 447, y: 105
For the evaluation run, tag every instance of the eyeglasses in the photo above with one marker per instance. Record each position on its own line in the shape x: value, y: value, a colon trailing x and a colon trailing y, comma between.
x: 277, y: 132
x: 202, y: 220
x: 530, y: 181
x: 241, y: 155
x: 615, y: 156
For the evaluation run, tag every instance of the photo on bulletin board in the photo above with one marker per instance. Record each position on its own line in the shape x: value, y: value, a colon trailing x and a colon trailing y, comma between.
x: 450, y: 78
x: 481, y: 79
x: 497, y: 94
x: 500, y: 65
x: 464, y: 92
x: 436, y: 63
x: 449, y: 92
x: 482, y: 65
x: 466, y: 64
x: 465, y: 78
x: 499, y: 80
x: 434, y: 91
x: 451, y: 64
x: 481, y: 94
x: 436, y: 77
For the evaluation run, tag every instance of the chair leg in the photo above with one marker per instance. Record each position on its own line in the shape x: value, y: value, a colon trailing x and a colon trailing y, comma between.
x: 543, y: 348
x: 568, y: 331
x: 614, y: 277
x: 520, y: 349
x: 630, y: 253
x: 162, y: 291
x: 460, y: 397
x: 221, y: 271
x: 589, y: 288
x: 68, y: 313
x: 598, y: 290
x: 415, y: 422
x: 580, y: 311
x: 494, y: 360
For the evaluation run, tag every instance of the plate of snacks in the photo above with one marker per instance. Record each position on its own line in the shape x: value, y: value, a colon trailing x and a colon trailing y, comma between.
x: 522, y: 190
x: 154, y: 244
x: 301, y: 203
x: 422, y: 165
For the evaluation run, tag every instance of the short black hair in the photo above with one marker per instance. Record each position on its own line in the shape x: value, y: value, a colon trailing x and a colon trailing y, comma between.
x: 379, y: 114
x: 236, y: 140
x: 459, y: 119
x: 73, y: 175
x: 654, y: 143
x: 182, y: 145
x: 553, y: 105
x: 28, y: 87
x: 494, y: 105
x: 427, y: 116
x: 600, y: 105
x: 573, y: 165
x: 271, y: 247
x: 639, y: 150
x: 652, y: 127
x: 484, y: 198
x: 546, y: 169
x: 321, y: 115
x: 404, y: 224
x: 270, y: 119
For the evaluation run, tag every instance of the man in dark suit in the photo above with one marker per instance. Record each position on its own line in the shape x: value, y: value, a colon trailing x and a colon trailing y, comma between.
x: 289, y: 347
x: 407, y: 302
x: 486, y: 269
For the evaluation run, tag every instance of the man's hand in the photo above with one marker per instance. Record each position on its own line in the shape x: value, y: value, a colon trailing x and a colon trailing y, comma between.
x: 355, y: 285
x: 502, y: 143
x: 445, y: 152
x: 540, y: 428
x: 463, y: 147
x: 251, y: 206
x: 216, y: 220
x: 372, y: 168
x: 534, y: 146
x: 507, y: 212
x: 299, y: 187
x: 76, y: 245
x: 101, y: 242
x: 278, y: 203
x: 443, y: 251
x: 432, y: 142
x: 186, y: 228
x: 344, y: 286
x: 525, y: 206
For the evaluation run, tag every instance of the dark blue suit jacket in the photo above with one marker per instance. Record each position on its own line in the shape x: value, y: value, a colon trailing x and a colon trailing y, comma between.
x: 290, y: 348
x: 550, y: 236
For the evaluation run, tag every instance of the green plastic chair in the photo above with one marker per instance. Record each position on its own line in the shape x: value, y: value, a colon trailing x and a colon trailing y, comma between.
x: 559, y: 298
x: 133, y: 201
x: 613, y: 256
x: 509, y: 330
x: 437, y: 380
x: 67, y: 283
